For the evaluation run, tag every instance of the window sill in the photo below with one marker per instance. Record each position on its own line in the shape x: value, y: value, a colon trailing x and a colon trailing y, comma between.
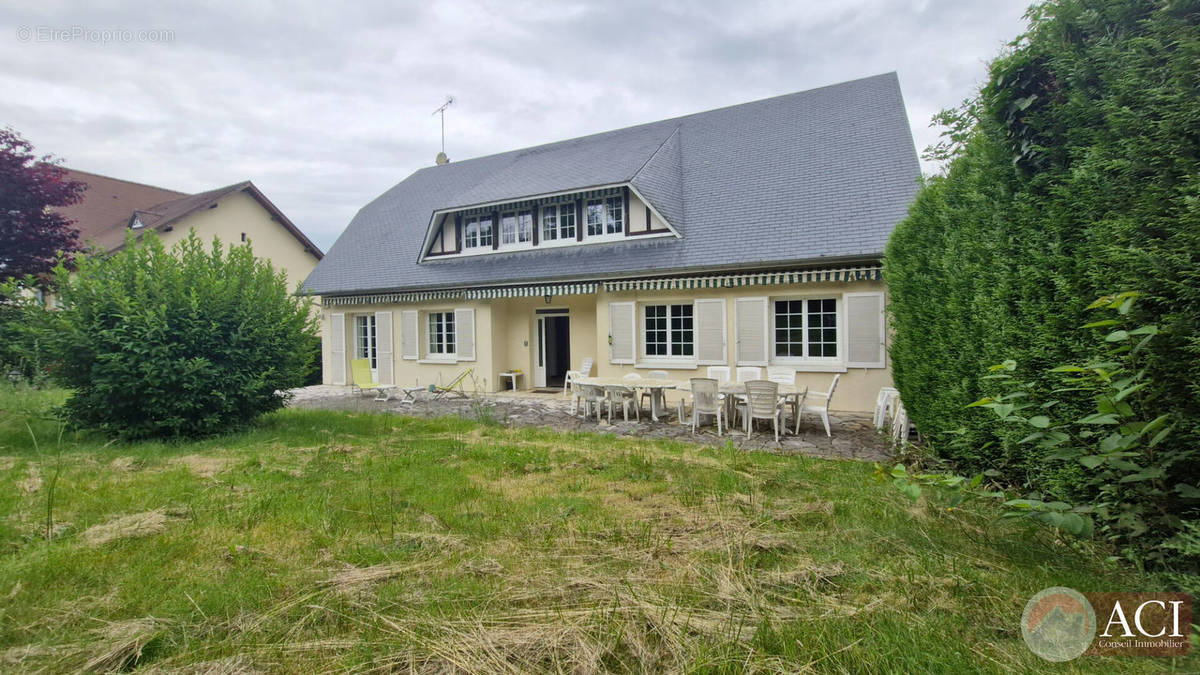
x: 667, y: 365
x: 836, y: 367
x: 439, y: 362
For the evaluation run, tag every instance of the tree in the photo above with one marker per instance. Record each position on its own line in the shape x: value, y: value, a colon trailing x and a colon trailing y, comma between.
x: 186, y: 342
x: 32, y: 235
x: 1074, y: 174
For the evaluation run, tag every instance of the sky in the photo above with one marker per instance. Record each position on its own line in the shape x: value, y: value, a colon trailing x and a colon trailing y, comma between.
x: 325, y: 105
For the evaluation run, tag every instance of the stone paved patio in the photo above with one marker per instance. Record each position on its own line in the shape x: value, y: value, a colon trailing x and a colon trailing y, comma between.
x: 853, y: 436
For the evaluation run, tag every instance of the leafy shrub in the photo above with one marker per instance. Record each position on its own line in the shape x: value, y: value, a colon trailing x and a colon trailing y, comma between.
x: 186, y: 342
x: 1074, y: 174
x: 23, y: 356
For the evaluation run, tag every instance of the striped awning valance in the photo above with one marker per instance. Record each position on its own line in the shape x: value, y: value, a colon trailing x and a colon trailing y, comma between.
x: 472, y: 294
x: 532, y: 291
x: 389, y: 298
x: 872, y: 273
x: 528, y: 203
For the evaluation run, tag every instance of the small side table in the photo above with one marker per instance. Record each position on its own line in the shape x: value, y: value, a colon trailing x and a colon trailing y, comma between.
x: 512, y: 376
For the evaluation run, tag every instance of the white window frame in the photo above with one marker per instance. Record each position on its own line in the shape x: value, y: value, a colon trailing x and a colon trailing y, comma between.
x: 651, y: 359
x: 445, y: 354
x: 516, y: 243
x: 476, y: 223
x: 366, y: 344
x: 605, y: 220
x: 817, y: 363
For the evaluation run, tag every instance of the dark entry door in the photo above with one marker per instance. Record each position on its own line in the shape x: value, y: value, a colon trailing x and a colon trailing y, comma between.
x: 558, y: 349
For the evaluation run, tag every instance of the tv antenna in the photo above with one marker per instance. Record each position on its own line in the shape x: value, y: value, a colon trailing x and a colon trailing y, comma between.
x: 442, y: 111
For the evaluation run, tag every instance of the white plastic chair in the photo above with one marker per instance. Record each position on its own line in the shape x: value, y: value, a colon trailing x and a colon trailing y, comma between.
x: 719, y: 373
x: 584, y: 371
x: 900, y: 425
x: 821, y: 409
x: 762, y: 403
x: 706, y: 400
x: 747, y: 373
x: 885, y: 406
x: 782, y: 375
x: 591, y: 395
x: 625, y: 397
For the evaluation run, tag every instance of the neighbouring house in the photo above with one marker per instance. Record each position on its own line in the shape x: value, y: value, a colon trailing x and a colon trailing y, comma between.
x: 237, y: 213
x: 749, y: 235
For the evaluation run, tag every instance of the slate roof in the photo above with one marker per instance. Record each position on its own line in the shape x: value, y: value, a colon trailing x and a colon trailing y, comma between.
x: 807, y: 178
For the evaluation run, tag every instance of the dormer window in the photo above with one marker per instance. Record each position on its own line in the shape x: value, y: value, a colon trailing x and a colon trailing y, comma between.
x: 516, y: 227
x: 477, y: 232
x: 605, y: 216
x: 593, y: 216
x: 558, y: 221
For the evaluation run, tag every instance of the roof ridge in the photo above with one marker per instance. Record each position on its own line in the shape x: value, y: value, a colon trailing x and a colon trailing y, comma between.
x: 122, y: 180
x: 656, y: 151
x: 678, y: 119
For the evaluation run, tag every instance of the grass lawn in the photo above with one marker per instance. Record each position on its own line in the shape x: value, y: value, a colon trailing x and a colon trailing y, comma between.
x: 322, y: 541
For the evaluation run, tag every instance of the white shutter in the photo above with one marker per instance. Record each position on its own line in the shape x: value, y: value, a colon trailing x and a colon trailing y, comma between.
x: 750, y: 321
x: 710, y: 333
x: 865, y: 330
x: 409, y: 337
x: 464, y: 334
x: 337, y: 348
x: 383, y: 347
x: 622, y: 345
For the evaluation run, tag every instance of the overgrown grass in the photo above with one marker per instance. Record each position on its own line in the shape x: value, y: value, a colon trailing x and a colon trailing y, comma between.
x: 323, y: 541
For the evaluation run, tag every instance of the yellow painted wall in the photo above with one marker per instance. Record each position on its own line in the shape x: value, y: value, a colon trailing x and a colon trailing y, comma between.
x: 419, y: 372
x: 238, y: 213
x: 505, y: 329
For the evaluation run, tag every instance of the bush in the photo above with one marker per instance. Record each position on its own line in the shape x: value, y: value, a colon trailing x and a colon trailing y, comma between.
x: 23, y: 356
x: 1074, y: 174
x: 186, y: 342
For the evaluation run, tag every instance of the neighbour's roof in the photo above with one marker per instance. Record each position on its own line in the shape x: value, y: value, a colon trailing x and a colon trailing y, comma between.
x: 107, y: 203
x: 806, y: 178
x: 111, y: 205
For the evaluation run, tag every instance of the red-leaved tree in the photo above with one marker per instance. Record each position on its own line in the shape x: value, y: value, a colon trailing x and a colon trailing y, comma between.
x: 31, y: 235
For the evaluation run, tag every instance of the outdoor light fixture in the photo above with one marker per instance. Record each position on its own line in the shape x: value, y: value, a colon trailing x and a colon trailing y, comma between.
x: 548, y: 298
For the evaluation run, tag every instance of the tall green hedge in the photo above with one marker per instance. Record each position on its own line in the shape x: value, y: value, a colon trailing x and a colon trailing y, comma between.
x: 186, y: 342
x: 1073, y: 174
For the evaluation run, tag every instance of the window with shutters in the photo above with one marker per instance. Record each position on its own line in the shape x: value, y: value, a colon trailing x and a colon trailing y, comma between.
x: 668, y: 330
x: 364, y: 338
x: 441, y: 333
x: 805, y: 329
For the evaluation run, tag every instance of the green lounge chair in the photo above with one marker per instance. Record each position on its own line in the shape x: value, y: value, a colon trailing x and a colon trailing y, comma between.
x: 364, y: 382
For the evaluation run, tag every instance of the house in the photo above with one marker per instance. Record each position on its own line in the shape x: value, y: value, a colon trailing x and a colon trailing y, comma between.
x: 747, y: 235
x: 237, y: 213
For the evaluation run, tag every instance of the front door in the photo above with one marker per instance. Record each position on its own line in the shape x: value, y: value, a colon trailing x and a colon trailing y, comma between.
x: 552, y: 347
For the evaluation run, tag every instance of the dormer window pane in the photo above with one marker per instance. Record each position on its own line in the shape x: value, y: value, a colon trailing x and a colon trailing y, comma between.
x: 566, y: 221
x: 595, y: 218
x: 614, y: 221
x: 508, y: 228
x: 485, y: 231
x: 471, y: 233
x: 524, y: 226
x: 549, y: 222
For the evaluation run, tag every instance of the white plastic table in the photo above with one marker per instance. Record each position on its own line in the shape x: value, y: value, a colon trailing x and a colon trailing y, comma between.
x: 655, y: 387
x: 512, y: 376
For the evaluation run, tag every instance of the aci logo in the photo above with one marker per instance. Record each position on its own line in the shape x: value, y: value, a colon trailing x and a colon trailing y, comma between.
x: 1059, y: 624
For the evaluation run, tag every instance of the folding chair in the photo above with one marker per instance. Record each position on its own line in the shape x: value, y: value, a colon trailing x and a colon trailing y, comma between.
x: 455, y: 387
x: 364, y: 382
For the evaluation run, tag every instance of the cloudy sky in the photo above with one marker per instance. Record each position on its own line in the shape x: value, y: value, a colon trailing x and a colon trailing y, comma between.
x: 324, y: 105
